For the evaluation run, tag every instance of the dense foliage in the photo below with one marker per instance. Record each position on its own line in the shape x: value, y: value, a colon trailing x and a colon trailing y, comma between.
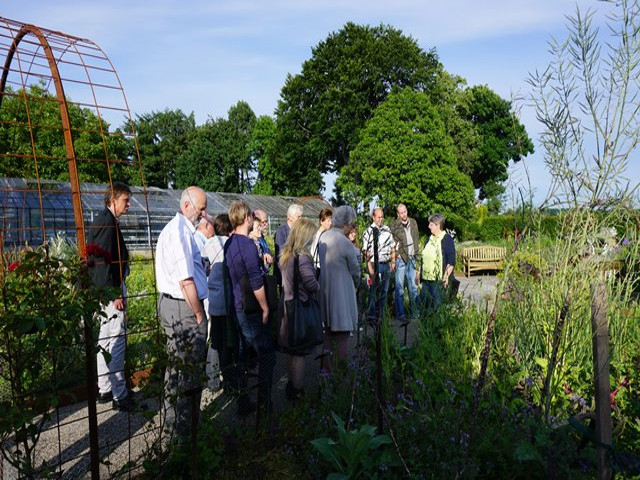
x: 44, y: 300
x: 349, y: 74
x: 217, y: 157
x: 32, y: 139
x: 405, y: 155
x: 161, y: 138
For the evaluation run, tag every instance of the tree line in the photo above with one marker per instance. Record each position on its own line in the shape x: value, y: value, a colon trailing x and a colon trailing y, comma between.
x: 369, y: 105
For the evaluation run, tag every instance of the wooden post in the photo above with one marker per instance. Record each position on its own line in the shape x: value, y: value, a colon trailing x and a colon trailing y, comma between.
x: 600, y: 330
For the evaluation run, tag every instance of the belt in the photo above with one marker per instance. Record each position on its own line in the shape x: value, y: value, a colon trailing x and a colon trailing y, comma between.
x: 166, y: 295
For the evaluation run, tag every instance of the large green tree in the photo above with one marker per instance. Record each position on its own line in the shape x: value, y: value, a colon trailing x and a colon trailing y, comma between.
x: 218, y: 156
x: 486, y: 132
x: 322, y: 110
x: 406, y: 155
x: 162, y: 137
x: 262, y: 151
x: 502, y: 138
x: 31, y: 126
x: 243, y: 121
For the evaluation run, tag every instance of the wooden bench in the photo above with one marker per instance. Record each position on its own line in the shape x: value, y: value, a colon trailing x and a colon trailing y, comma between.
x: 483, y: 257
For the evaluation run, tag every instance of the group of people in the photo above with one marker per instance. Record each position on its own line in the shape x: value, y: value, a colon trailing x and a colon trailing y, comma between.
x: 214, y: 282
x: 397, y: 250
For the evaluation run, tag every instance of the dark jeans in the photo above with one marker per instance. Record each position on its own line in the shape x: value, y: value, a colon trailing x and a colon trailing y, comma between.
x: 431, y: 295
x: 187, y: 349
x: 257, y: 335
x: 378, y: 293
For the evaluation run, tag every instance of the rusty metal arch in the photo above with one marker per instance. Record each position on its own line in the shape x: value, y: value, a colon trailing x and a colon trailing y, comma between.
x: 66, y: 124
x: 76, y: 72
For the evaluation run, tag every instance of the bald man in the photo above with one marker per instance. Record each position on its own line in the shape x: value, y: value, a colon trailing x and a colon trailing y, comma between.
x: 182, y: 282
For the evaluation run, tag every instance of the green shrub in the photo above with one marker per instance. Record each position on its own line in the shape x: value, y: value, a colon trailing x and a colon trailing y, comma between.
x: 498, y: 228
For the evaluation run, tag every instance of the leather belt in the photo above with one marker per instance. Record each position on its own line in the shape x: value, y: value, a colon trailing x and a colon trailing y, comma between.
x: 166, y: 295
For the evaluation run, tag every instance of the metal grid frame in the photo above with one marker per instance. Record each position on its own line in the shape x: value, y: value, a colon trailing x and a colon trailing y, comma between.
x: 63, y: 67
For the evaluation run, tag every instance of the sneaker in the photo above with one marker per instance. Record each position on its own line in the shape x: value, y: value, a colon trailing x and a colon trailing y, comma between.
x: 126, y: 404
x: 105, y: 397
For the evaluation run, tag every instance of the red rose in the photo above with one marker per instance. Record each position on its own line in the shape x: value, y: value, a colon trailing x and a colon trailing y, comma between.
x: 13, y: 266
x: 93, y: 249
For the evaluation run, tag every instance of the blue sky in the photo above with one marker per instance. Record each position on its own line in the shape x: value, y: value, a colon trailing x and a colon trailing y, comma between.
x: 206, y: 55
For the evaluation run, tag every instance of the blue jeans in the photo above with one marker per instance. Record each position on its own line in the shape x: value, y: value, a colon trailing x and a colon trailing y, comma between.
x: 431, y: 294
x: 378, y: 293
x: 258, y: 335
x: 406, y: 272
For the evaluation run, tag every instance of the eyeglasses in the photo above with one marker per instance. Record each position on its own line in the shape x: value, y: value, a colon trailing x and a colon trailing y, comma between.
x: 263, y: 221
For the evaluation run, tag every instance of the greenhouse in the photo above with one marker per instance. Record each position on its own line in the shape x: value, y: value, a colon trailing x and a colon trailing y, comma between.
x: 32, y: 210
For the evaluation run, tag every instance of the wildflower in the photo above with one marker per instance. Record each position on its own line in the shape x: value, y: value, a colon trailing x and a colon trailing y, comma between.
x: 452, y: 390
x: 625, y: 242
x: 13, y: 266
x: 612, y: 395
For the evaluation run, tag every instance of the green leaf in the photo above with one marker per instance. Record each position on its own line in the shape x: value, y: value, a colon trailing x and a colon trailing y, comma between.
x: 525, y: 452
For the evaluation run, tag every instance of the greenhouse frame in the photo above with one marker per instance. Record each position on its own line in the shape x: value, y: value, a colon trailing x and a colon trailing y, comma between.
x: 33, y: 212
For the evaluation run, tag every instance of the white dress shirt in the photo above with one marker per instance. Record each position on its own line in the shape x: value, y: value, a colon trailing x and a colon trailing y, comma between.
x: 178, y: 258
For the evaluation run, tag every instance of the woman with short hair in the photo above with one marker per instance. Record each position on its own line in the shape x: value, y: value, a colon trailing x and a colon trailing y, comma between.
x: 340, y: 277
x: 437, y: 262
x: 220, y: 323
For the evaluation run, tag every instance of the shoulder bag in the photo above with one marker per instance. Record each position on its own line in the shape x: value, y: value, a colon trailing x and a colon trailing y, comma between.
x: 303, y: 318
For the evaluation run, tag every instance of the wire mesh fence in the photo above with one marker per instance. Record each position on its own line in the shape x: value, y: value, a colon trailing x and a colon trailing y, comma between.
x: 50, y: 421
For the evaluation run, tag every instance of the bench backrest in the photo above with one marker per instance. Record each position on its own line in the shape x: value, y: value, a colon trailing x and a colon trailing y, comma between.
x: 484, y: 252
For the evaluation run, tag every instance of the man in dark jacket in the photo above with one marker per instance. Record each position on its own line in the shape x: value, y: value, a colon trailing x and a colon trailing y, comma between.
x: 405, y: 233
x: 110, y: 260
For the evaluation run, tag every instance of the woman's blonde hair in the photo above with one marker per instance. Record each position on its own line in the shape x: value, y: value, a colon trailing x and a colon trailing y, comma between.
x: 299, y: 240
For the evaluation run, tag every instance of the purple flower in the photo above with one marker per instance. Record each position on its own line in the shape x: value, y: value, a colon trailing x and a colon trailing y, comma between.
x: 625, y: 242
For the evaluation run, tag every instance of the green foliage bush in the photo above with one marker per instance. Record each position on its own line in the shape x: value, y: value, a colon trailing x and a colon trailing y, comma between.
x: 144, y: 337
x: 43, y: 303
x: 497, y: 228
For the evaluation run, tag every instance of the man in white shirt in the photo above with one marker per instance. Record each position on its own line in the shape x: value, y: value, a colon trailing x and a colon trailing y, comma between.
x: 181, y: 280
x: 378, y: 246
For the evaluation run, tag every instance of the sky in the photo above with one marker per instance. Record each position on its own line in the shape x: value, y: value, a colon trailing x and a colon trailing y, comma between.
x: 206, y: 55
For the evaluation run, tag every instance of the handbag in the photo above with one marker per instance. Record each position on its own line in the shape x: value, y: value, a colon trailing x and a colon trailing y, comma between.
x: 303, y: 318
